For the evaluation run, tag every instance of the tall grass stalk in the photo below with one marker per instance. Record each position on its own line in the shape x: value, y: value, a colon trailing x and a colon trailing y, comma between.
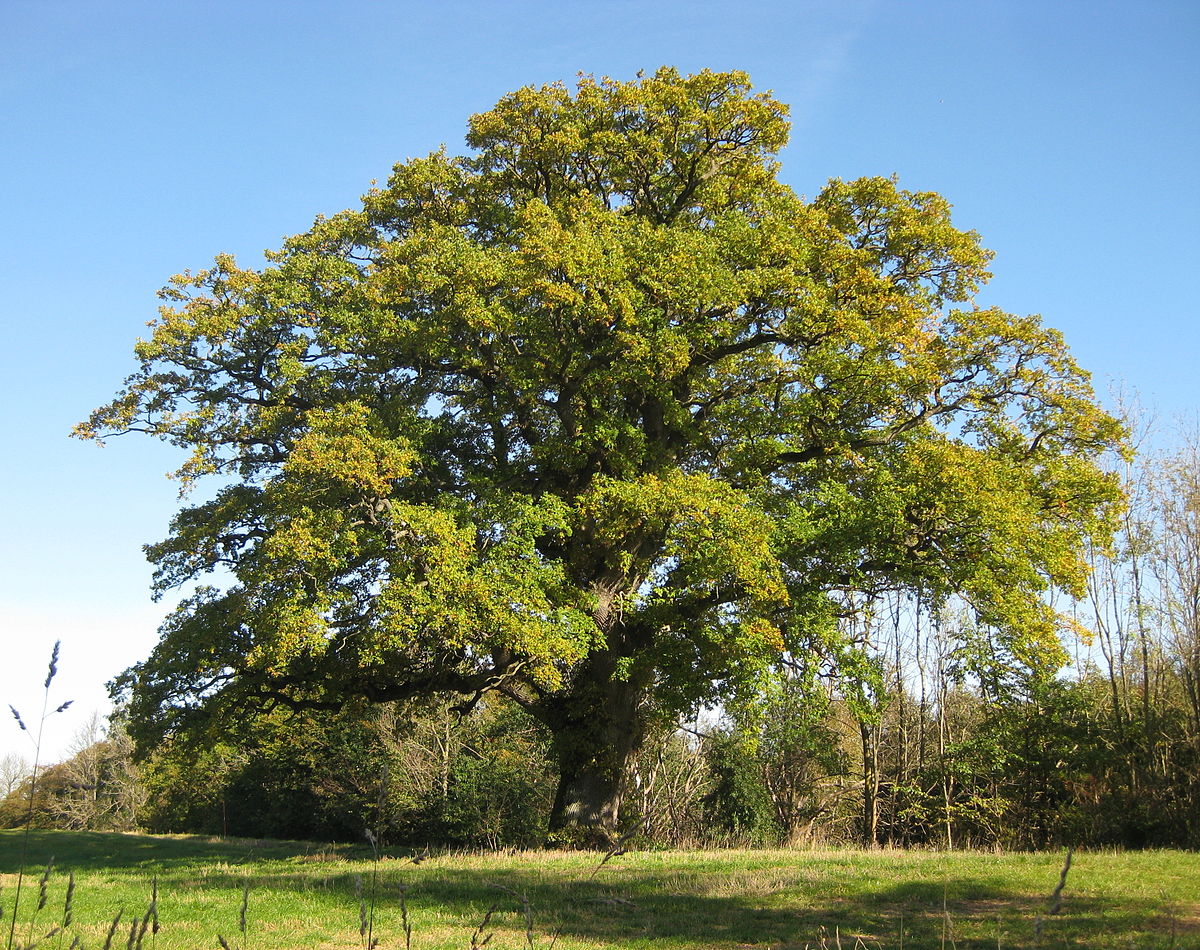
x: 1055, y: 899
x: 947, y: 924
x: 405, y: 923
x: 112, y: 928
x: 154, y: 911
x: 242, y: 926
x: 242, y: 912
x: 37, y: 761
x: 375, y: 837
x: 68, y: 907
x: 481, y: 938
x: 43, y: 894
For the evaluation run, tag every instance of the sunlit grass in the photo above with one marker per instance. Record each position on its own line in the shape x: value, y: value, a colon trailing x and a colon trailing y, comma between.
x: 304, y: 895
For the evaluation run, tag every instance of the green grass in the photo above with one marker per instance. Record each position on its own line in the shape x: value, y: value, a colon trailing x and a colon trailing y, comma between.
x: 303, y: 896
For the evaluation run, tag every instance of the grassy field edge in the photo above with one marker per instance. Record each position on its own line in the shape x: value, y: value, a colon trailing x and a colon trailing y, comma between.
x: 300, y: 894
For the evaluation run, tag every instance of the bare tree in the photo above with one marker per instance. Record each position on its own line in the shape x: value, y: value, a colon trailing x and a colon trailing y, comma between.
x: 1177, y: 564
x: 13, y: 770
x: 98, y: 787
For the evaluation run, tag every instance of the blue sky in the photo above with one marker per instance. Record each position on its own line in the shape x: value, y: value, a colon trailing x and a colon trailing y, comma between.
x: 141, y: 138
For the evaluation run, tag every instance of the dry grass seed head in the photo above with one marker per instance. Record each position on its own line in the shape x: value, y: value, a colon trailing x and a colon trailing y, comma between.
x: 1056, y: 897
x: 69, y: 900
x: 477, y: 938
x: 43, y: 884
x: 112, y: 929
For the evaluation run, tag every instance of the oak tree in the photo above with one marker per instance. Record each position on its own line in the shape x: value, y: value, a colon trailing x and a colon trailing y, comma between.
x: 604, y: 417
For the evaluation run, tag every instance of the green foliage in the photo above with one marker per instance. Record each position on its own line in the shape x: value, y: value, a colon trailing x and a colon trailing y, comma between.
x: 490, y: 785
x: 493, y: 803
x: 601, y: 416
x: 186, y: 787
x: 299, y: 777
x: 15, y: 808
x: 739, y: 804
x: 418, y: 776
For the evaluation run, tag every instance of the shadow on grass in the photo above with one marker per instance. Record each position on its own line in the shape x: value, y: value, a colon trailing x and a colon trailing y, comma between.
x: 638, y: 907
x: 94, y: 850
x: 785, y: 906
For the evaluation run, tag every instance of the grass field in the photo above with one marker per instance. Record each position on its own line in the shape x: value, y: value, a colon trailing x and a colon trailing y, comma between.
x: 301, y: 896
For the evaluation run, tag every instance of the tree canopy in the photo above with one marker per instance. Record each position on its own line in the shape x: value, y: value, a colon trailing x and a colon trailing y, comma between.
x: 603, y: 416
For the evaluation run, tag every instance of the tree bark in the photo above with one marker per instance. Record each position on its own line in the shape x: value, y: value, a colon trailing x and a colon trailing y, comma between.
x: 598, y: 727
x: 870, y: 785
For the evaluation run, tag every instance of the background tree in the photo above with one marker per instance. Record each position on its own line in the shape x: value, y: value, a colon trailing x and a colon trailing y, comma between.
x: 13, y: 770
x: 96, y: 788
x: 1176, y: 565
x: 1144, y: 734
x: 602, y: 417
x: 101, y: 788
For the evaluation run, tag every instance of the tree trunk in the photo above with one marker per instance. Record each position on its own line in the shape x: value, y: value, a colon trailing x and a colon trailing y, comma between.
x: 597, y: 729
x: 870, y: 786
x: 587, y: 804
